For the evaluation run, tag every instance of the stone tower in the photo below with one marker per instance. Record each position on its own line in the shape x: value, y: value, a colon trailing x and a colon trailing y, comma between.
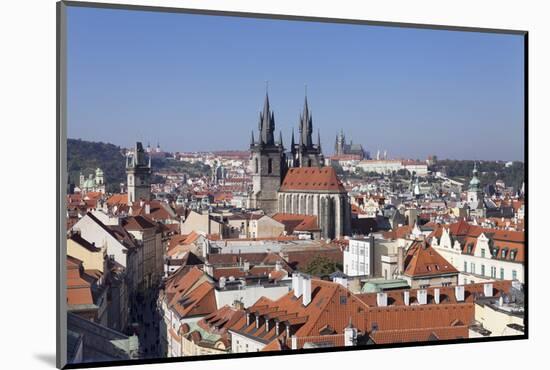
x: 474, y: 188
x: 476, y: 203
x: 267, y: 163
x: 305, y: 153
x: 138, y: 171
x: 339, y: 146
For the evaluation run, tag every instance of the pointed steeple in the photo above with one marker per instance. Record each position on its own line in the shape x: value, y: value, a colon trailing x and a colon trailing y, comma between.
x: 319, y: 138
x: 280, y: 138
x: 292, y: 142
x: 252, y: 139
x: 266, y: 124
x: 306, y: 126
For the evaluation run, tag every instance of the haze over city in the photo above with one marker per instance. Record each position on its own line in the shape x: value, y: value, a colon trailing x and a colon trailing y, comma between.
x: 197, y: 83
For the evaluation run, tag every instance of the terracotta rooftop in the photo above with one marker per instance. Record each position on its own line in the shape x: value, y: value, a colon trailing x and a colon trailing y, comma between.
x: 139, y: 223
x: 294, y: 222
x: 312, y: 179
x: 190, y: 293
x: 423, y: 260
x: 79, y: 290
x: 331, y: 304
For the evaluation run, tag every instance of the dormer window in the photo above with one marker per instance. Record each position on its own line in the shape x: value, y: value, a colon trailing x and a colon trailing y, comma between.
x: 483, y: 252
x: 503, y: 253
x: 513, y: 254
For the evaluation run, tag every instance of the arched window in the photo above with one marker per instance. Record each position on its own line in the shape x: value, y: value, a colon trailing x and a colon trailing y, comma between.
x: 256, y: 165
x: 309, y: 162
x: 269, y: 165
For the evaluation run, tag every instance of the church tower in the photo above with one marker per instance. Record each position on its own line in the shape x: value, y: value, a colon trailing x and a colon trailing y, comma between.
x: 474, y: 188
x: 139, y: 175
x: 267, y: 163
x: 339, y: 146
x: 475, y: 199
x: 305, y: 153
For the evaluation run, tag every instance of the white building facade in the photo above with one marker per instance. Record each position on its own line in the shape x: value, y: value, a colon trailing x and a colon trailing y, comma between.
x: 359, y: 257
x: 481, y: 265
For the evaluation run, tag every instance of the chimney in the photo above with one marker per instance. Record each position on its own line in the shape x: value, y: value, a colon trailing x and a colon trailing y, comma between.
x: 341, y: 280
x: 459, y: 293
x: 488, y: 289
x: 238, y: 305
x: 278, y: 266
x: 350, y: 336
x: 381, y: 299
x: 147, y: 209
x: 294, y: 341
x: 406, y: 297
x: 400, y: 260
x: 422, y: 296
x: 436, y: 295
x: 306, y: 290
x: 246, y: 266
x: 205, y: 248
x: 297, y: 285
x: 209, y: 269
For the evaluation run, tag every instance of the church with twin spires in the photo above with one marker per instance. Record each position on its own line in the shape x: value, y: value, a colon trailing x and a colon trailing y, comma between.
x: 296, y: 182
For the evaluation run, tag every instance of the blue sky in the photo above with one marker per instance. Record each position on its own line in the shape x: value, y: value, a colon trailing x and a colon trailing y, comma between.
x: 196, y: 82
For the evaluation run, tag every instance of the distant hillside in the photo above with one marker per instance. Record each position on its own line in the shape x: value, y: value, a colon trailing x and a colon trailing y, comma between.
x: 489, y: 171
x: 85, y: 156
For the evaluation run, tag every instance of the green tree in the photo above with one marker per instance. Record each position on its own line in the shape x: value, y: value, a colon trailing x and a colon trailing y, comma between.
x: 321, y: 265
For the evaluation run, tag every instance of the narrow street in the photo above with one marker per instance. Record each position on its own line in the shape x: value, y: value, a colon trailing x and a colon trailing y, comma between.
x: 148, y: 332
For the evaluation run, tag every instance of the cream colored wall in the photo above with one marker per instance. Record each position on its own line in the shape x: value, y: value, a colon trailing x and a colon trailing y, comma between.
x: 266, y: 227
x: 453, y: 254
x: 199, y: 223
x: 90, y: 260
x: 191, y: 349
x: 495, y: 321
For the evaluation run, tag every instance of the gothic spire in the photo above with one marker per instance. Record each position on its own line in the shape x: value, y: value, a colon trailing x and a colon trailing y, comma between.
x: 319, y: 138
x: 292, y: 142
x: 280, y: 138
x: 306, y: 125
x: 252, y: 139
x: 266, y: 124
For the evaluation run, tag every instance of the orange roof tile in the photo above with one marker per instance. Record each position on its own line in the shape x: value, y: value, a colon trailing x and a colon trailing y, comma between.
x: 296, y: 222
x: 423, y: 260
x: 312, y: 179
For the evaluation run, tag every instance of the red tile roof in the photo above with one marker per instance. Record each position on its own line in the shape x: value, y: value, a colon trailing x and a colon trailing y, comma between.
x: 79, y: 291
x: 190, y: 293
x: 312, y: 179
x: 295, y: 222
x: 331, y: 304
x: 139, y: 223
x: 400, y: 232
x: 467, y: 235
x: 423, y: 260
x: 117, y: 199
x: 420, y: 335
